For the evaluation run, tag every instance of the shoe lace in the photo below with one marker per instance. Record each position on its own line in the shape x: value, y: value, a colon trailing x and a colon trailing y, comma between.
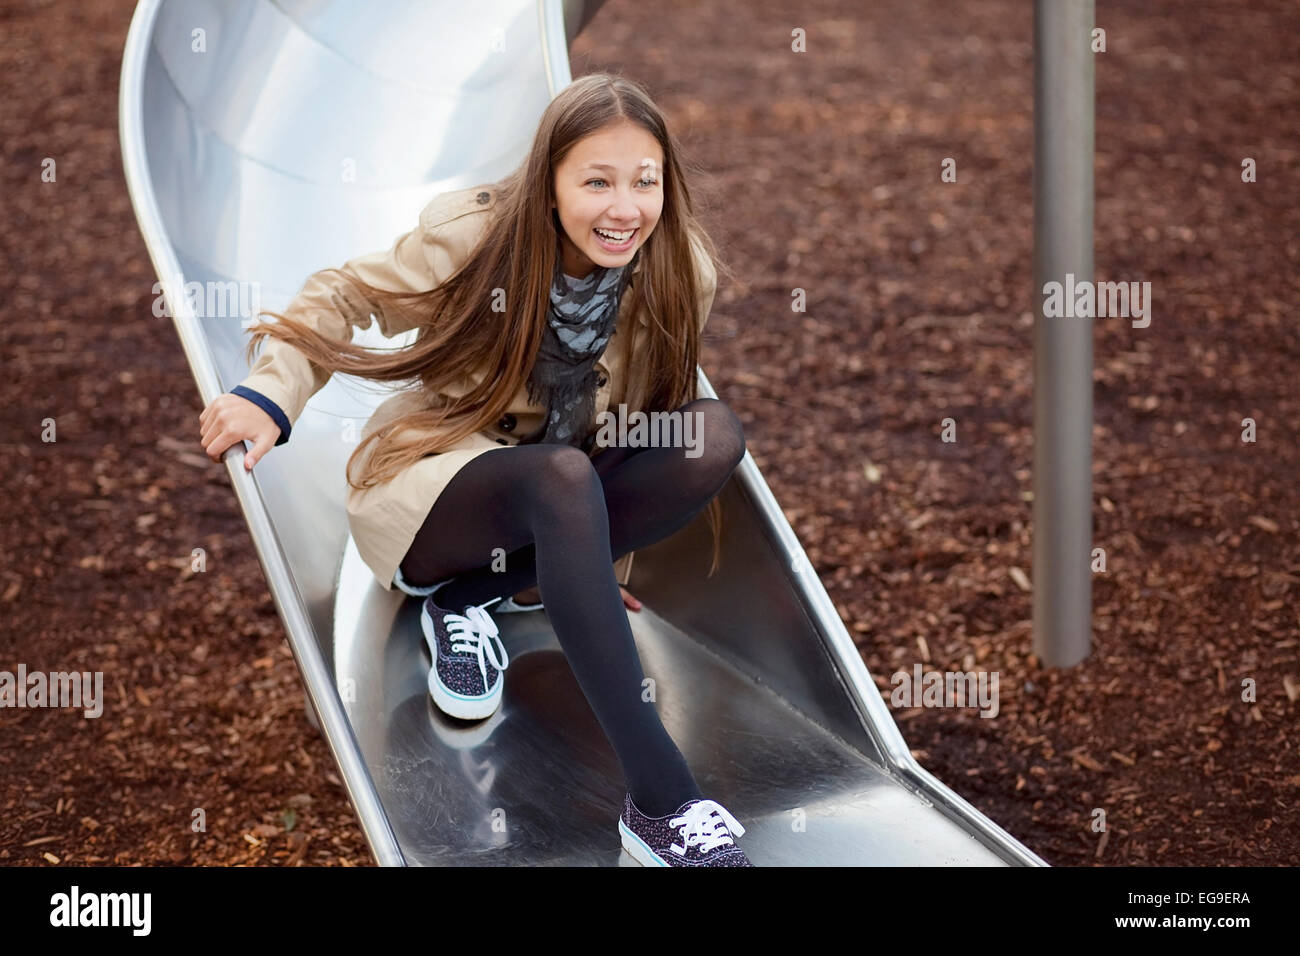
x: 706, y: 824
x: 475, y: 633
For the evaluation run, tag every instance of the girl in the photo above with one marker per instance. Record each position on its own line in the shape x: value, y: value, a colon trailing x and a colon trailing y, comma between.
x: 578, y: 284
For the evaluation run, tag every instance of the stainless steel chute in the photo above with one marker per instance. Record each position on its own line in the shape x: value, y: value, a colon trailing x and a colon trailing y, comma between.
x: 265, y: 140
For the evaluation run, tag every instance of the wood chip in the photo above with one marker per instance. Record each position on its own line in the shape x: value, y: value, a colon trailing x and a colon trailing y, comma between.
x: 1084, y: 760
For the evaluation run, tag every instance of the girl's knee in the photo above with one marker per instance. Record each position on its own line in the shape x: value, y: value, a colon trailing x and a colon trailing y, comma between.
x: 562, y: 473
x: 721, y: 428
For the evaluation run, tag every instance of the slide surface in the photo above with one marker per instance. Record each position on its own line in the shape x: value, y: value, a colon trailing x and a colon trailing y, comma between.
x: 263, y: 141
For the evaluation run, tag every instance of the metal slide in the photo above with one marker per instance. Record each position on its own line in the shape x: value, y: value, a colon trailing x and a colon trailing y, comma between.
x: 263, y: 141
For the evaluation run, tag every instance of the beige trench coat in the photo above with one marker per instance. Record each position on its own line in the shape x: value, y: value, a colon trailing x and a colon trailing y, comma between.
x: 384, y: 519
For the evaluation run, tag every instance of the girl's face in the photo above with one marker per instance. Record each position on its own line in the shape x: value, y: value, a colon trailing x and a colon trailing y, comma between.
x: 610, y: 182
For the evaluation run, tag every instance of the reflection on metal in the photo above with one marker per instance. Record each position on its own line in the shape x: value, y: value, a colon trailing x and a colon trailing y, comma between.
x: 263, y: 141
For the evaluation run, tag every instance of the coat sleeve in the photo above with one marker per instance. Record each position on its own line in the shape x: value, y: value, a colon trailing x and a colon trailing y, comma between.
x: 283, y: 377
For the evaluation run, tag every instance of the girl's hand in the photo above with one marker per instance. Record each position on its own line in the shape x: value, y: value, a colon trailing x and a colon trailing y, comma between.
x: 631, y: 603
x: 229, y: 419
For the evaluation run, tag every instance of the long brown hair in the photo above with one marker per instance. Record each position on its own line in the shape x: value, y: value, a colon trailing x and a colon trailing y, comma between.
x: 458, y: 335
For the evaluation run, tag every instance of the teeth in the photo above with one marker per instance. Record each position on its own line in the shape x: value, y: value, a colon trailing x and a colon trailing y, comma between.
x: 616, y: 236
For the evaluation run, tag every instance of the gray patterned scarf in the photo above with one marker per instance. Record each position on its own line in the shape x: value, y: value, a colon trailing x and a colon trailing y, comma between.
x: 580, y: 320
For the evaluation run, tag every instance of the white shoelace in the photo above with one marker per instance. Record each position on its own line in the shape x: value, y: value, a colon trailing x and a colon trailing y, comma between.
x: 705, y: 824
x: 474, y: 632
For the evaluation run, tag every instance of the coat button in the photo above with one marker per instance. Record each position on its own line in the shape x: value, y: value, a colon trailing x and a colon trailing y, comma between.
x: 507, y: 422
x: 483, y: 198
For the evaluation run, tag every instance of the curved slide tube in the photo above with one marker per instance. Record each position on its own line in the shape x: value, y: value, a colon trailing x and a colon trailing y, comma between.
x: 263, y: 141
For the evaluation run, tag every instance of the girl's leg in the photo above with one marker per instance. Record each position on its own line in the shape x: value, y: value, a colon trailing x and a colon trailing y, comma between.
x: 650, y: 493
x: 551, y: 496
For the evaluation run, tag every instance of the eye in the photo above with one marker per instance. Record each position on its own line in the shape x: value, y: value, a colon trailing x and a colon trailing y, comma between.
x: 648, y: 181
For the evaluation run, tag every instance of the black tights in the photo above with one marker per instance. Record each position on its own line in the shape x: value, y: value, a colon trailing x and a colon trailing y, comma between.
x: 562, y: 518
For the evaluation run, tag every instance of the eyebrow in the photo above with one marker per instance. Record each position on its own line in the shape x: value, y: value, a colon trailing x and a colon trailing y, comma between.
x: 606, y: 166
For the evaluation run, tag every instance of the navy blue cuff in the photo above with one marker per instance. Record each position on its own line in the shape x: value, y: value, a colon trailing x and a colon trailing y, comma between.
x: 268, y: 406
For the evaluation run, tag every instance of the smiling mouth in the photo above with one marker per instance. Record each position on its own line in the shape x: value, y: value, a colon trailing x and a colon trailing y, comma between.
x: 611, y: 243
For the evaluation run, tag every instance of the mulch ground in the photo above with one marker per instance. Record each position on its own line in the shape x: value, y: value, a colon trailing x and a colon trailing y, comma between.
x: 820, y: 172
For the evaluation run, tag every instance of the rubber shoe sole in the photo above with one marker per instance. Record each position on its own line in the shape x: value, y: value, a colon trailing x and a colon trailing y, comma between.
x: 637, y: 848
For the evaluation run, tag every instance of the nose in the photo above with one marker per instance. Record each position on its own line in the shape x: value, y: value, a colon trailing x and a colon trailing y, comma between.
x: 623, y: 210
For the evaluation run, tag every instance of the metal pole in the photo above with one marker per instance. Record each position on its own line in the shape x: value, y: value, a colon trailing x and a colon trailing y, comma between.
x: 1063, y: 211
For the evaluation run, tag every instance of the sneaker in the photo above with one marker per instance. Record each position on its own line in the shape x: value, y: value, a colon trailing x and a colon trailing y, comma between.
x: 511, y: 606
x: 700, y: 833
x: 466, y: 678
x: 423, y: 590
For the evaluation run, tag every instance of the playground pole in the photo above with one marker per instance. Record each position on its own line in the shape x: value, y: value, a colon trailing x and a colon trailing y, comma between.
x: 1063, y: 243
